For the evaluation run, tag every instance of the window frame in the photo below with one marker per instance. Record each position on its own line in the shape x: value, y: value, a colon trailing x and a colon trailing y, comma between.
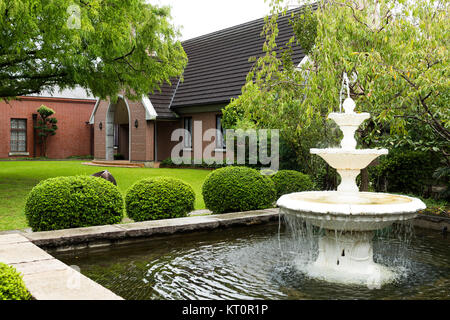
x: 187, y: 122
x: 25, y: 130
x: 220, y: 138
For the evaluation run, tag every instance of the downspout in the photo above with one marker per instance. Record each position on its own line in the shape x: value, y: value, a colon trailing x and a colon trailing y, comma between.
x: 34, y: 115
x: 155, y: 142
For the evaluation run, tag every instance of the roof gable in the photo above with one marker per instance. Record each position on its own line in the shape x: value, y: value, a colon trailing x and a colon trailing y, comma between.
x: 218, y: 64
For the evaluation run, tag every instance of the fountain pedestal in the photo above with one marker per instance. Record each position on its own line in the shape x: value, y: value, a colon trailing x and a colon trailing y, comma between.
x: 348, y: 258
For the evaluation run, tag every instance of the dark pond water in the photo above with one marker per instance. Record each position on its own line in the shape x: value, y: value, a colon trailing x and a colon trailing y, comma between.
x: 255, y: 263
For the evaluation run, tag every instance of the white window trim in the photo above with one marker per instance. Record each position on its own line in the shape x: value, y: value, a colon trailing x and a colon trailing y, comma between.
x: 19, y: 154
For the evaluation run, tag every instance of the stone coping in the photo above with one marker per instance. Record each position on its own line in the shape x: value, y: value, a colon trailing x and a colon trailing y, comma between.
x: 432, y: 222
x: 45, y: 277
x: 68, y: 239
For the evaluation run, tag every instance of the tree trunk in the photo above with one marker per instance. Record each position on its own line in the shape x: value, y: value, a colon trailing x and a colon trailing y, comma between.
x: 364, y: 187
x: 44, y: 147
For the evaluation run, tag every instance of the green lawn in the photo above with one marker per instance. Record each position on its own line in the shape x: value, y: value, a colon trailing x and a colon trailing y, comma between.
x: 17, y: 178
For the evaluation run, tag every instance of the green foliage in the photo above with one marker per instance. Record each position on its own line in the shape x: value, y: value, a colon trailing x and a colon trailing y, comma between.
x: 12, y: 286
x: 233, y: 189
x: 273, y: 98
x: 304, y: 25
x: 46, y: 126
x: 71, y: 202
x: 405, y: 172
x: 106, y: 46
x: 45, y: 111
x: 396, y: 58
x: 159, y: 198
x: 289, y: 181
x: 119, y: 156
x: 82, y: 157
x: 169, y: 163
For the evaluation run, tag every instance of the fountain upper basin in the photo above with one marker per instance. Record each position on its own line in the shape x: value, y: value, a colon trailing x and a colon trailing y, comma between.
x: 361, y: 211
x: 349, y: 159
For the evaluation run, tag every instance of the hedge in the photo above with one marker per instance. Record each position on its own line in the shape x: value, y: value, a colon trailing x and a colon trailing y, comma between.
x: 233, y: 189
x: 71, y: 202
x: 409, y: 172
x: 12, y: 286
x: 159, y: 198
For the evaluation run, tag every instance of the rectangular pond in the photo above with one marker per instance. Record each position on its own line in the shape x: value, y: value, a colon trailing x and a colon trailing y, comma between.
x: 255, y: 262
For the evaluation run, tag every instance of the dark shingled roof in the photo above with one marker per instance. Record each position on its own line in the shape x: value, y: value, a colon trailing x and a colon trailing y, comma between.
x: 218, y: 65
x: 161, y: 100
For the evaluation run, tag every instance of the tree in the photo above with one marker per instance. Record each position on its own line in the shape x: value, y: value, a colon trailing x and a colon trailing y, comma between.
x: 394, y: 52
x: 273, y: 98
x: 46, y: 127
x: 104, y: 46
x: 397, y: 53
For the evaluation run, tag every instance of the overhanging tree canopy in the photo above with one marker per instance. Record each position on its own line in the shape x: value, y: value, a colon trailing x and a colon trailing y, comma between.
x: 104, y: 46
x: 397, y: 54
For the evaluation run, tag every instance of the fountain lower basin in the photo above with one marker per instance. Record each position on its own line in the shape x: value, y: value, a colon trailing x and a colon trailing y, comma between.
x: 362, y: 211
x: 349, y: 219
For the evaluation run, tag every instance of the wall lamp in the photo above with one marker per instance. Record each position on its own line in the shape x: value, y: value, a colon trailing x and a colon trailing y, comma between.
x: 136, y: 123
x: 100, y: 125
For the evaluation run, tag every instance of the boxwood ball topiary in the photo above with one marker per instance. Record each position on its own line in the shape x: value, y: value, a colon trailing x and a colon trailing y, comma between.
x: 12, y: 286
x: 71, y: 202
x: 233, y: 189
x: 289, y: 181
x: 159, y: 198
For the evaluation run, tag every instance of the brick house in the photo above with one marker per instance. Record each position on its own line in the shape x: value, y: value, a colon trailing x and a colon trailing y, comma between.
x: 74, y: 136
x: 216, y: 71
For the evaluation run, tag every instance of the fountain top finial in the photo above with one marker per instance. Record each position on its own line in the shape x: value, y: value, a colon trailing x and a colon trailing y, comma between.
x: 349, y: 105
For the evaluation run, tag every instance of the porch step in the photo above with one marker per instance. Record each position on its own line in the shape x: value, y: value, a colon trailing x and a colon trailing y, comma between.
x: 115, y: 163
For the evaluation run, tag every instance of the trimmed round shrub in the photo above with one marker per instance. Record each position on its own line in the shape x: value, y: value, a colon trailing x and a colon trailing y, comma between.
x: 72, y: 202
x: 289, y: 181
x: 234, y: 189
x: 12, y: 286
x: 159, y: 198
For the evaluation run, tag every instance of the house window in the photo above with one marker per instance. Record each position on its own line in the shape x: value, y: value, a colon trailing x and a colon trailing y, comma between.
x: 220, y: 139
x: 18, y: 135
x: 188, y: 133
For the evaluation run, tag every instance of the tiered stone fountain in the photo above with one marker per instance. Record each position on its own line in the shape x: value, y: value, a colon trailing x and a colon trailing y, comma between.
x: 349, y: 217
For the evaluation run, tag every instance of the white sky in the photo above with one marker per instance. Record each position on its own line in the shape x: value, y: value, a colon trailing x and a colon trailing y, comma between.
x: 199, y: 17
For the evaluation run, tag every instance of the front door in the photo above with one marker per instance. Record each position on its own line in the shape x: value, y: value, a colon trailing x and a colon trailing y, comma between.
x: 124, y: 141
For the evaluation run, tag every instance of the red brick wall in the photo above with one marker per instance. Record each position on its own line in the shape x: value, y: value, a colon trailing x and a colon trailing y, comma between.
x: 100, y: 135
x: 73, y: 137
x: 208, y: 121
x: 164, y: 131
x: 142, y: 137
